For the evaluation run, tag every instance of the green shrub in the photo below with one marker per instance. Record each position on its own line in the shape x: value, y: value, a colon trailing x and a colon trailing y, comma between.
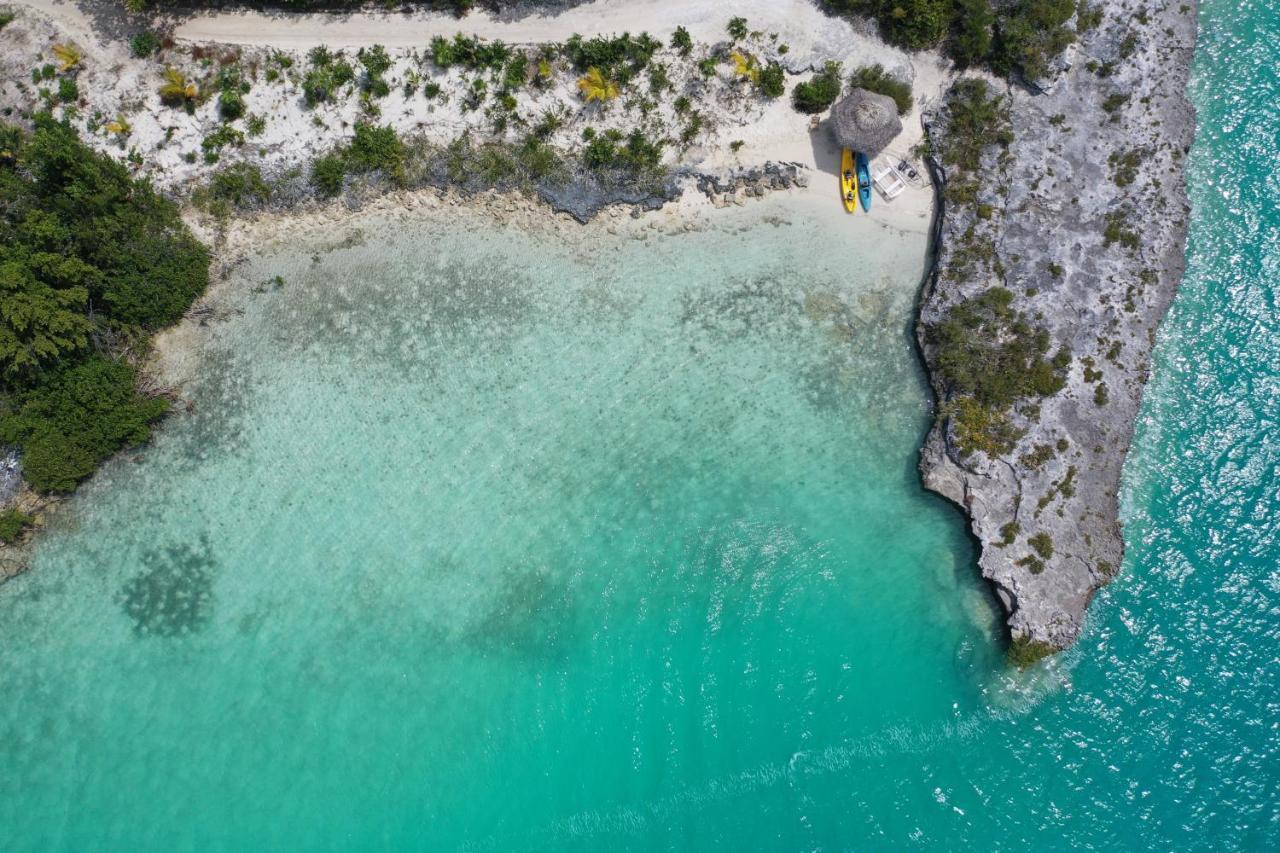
x: 1017, y: 36
x: 1114, y: 102
x: 1088, y: 16
x: 600, y: 153
x: 376, y: 63
x: 1036, y: 458
x: 220, y: 138
x: 375, y: 60
x: 325, y: 80
x: 319, y: 56
x: 376, y: 147
x: 1117, y: 230
x: 1042, y: 543
x: 236, y: 187
x: 873, y: 78
x: 773, y: 80
x: 144, y: 44
x: 516, y: 73
x: 636, y: 155
x: 1024, y: 652
x: 1030, y: 34
x: 682, y: 41
x: 819, y: 93
x: 619, y: 58
x: 988, y: 350
x: 230, y: 105
x: 915, y: 24
x: 1033, y: 564
x: 980, y: 428
x: 978, y: 120
x: 540, y: 160
x: 123, y: 242
x: 659, y: 79
x: 328, y: 174
x: 972, y: 31
x: 1009, y: 533
x: 737, y: 28
x: 68, y: 90
x: 12, y: 524
x: 81, y: 415
x: 474, y: 54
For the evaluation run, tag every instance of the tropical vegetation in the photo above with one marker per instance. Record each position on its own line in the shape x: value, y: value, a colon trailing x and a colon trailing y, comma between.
x: 1017, y: 37
x: 92, y: 262
x: 817, y: 94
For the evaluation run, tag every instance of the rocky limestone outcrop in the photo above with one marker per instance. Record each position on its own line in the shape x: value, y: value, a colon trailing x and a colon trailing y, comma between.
x: 1083, y: 217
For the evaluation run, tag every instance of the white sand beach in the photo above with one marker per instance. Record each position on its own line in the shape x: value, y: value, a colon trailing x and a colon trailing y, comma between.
x: 167, y: 141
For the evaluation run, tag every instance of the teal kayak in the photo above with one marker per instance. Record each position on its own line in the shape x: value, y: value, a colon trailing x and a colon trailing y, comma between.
x: 864, y: 181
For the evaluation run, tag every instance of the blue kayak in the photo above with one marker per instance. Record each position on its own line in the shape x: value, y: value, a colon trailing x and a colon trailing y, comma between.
x: 864, y: 181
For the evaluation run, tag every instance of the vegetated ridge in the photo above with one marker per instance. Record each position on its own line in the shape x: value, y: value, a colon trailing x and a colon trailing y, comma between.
x: 1060, y: 249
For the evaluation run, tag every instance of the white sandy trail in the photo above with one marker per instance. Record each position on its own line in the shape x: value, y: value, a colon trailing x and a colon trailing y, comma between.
x: 705, y: 20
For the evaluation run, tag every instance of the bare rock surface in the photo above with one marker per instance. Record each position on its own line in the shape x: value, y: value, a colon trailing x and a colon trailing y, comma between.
x: 1084, y: 216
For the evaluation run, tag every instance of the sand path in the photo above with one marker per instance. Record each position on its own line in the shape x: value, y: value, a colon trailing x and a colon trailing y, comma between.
x: 705, y: 19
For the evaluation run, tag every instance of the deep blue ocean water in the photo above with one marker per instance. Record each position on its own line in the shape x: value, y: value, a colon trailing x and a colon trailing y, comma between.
x: 478, y: 542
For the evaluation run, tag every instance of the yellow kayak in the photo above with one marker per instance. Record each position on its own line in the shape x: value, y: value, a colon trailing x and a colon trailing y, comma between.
x: 848, y: 182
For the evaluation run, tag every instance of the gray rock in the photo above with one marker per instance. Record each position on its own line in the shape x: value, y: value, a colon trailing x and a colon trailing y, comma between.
x: 1049, y: 197
x: 10, y: 475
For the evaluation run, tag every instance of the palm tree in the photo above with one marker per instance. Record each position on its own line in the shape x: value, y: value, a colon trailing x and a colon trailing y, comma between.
x: 121, y: 126
x: 596, y: 86
x: 177, y: 88
x: 545, y: 71
x: 68, y: 54
x: 746, y: 65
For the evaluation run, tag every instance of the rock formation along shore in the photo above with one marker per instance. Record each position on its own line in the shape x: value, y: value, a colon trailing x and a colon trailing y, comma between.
x: 1060, y: 248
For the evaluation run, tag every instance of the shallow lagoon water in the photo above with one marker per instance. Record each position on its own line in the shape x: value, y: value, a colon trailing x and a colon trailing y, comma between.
x: 473, y: 538
x: 477, y: 542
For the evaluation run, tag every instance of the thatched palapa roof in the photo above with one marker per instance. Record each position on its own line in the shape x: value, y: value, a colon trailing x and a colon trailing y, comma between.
x: 865, y: 121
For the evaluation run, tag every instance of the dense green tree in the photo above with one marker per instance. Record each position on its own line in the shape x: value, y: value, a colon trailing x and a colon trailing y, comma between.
x: 1030, y: 34
x: 915, y: 24
x: 874, y: 78
x: 43, y: 301
x: 86, y: 253
x: 76, y: 418
x: 971, y: 31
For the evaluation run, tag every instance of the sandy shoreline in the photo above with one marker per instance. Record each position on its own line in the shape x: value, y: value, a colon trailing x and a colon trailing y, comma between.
x: 164, y: 143
x: 323, y: 228
x: 114, y: 82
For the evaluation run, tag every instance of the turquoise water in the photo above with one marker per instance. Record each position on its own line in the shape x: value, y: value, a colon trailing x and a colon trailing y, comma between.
x: 474, y: 541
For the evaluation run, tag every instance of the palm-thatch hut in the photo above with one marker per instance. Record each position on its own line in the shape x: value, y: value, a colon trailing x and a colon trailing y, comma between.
x: 865, y: 121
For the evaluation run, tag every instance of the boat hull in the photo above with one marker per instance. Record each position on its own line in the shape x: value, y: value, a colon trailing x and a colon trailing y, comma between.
x: 862, y: 173
x: 848, y: 181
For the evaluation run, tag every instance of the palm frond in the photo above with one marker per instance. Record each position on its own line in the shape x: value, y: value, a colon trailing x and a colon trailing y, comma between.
x: 121, y: 126
x: 746, y: 65
x: 596, y: 86
x: 69, y: 56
